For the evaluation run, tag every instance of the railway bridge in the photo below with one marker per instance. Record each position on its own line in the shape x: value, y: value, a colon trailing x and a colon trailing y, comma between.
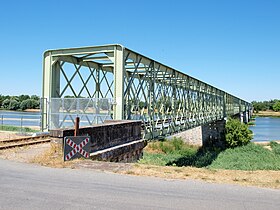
x: 113, y: 82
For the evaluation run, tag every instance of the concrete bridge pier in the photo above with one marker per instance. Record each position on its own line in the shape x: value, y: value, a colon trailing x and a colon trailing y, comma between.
x: 246, y: 117
x: 241, y: 117
x: 251, y: 111
x: 208, y: 134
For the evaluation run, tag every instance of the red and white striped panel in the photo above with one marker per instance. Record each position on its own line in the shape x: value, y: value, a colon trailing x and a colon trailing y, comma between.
x: 77, y: 148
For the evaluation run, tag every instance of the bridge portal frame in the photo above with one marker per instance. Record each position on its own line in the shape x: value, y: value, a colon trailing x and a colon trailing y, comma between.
x: 165, y: 99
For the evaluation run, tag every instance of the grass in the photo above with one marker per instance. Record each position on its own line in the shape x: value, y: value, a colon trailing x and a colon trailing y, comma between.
x: 16, y: 128
x: 275, y: 147
x: 251, y: 123
x: 176, y: 153
x: 53, y: 157
x: 249, y: 157
x: 166, y: 152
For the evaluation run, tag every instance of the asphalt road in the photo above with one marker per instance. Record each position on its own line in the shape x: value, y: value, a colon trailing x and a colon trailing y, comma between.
x: 24, y: 186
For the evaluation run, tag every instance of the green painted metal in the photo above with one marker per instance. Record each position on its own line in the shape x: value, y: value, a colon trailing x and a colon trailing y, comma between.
x: 166, y: 100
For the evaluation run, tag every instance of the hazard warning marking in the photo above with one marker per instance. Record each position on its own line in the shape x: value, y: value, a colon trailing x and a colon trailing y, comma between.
x: 76, y: 146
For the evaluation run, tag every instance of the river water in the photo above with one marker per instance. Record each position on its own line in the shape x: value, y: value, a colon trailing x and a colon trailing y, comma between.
x: 266, y: 129
x: 20, y: 118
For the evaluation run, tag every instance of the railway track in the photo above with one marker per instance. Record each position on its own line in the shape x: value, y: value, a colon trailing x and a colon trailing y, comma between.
x: 12, y: 143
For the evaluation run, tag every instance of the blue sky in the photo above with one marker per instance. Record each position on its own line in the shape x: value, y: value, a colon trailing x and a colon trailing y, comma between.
x: 231, y: 44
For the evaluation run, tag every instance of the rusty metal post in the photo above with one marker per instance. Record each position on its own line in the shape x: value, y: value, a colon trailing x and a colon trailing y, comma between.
x: 77, y: 125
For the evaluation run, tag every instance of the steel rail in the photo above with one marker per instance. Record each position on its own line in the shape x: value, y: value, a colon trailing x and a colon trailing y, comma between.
x: 12, y: 143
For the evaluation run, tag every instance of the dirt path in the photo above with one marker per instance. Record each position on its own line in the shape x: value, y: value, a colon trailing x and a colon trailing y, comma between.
x: 4, y: 135
x: 24, y: 154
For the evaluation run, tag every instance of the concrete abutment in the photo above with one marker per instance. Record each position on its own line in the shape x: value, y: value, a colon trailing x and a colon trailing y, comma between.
x: 115, y: 140
x: 212, y: 133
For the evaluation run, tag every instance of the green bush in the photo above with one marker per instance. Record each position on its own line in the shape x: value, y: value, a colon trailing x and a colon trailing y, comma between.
x: 237, y: 134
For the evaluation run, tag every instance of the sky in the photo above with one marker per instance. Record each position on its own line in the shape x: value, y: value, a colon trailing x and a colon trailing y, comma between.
x: 231, y: 44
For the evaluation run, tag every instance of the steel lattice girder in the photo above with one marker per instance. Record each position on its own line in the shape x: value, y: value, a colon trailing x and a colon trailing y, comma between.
x: 166, y: 100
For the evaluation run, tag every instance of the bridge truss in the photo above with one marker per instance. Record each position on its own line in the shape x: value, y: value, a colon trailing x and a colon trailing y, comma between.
x: 166, y: 100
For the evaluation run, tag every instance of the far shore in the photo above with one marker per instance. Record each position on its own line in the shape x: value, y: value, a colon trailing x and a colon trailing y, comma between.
x: 26, y: 110
x: 269, y: 113
x: 32, y: 110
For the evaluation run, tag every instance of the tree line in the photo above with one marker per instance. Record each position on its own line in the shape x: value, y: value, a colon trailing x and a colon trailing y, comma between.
x: 21, y: 102
x: 266, y: 105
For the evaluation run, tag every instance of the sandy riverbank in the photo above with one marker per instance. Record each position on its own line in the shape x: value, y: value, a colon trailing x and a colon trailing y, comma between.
x: 267, y: 114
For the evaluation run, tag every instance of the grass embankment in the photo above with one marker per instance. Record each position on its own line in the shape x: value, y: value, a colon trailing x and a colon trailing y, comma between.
x: 17, y: 129
x: 250, y: 157
x: 250, y: 165
x: 177, y: 153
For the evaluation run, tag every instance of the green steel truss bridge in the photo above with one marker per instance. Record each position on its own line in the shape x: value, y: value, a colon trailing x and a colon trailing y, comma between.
x: 133, y: 86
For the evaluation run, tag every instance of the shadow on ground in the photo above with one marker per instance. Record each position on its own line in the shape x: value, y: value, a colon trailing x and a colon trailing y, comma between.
x: 202, y: 158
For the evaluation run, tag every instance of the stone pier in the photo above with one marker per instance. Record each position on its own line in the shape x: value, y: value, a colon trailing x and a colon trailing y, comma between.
x: 207, y: 134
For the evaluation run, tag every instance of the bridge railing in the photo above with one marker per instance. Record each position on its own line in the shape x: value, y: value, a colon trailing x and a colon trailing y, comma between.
x: 63, y: 111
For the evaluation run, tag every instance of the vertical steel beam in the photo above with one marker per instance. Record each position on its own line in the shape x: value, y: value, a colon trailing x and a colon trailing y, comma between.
x: 152, y: 100
x: 51, y: 84
x: 119, y: 70
x: 46, y: 89
x: 47, y: 63
x: 55, y: 90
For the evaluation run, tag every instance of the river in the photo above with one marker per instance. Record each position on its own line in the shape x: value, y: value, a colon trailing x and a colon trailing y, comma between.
x: 16, y: 118
x: 266, y: 129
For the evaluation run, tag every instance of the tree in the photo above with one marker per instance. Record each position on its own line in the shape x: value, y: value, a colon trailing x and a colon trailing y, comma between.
x: 2, y: 98
x: 260, y: 106
x: 237, y: 133
x: 23, y: 97
x: 14, y: 104
x: 6, y: 103
x: 276, y: 106
x: 37, y: 98
x: 29, y: 104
